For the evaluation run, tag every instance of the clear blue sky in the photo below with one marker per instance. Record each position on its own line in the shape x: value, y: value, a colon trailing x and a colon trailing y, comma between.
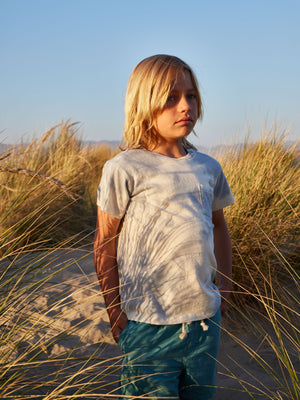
x: 71, y: 59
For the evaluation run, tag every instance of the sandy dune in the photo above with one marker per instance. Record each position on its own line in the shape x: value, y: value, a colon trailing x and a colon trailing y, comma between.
x: 71, y: 299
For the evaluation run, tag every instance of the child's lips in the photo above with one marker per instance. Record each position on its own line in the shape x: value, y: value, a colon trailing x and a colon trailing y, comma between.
x: 185, y: 121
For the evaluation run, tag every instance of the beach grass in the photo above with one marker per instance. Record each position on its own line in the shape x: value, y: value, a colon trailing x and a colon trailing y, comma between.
x: 50, y: 185
x: 264, y: 221
x: 273, y: 319
x: 48, y: 205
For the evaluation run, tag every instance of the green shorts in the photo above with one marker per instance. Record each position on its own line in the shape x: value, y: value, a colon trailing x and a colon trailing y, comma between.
x: 173, y: 361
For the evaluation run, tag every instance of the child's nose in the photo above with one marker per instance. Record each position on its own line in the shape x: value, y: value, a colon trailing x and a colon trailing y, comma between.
x: 184, y: 103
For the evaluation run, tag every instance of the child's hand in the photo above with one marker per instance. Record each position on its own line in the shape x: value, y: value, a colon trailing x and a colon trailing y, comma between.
x: 118, y: 321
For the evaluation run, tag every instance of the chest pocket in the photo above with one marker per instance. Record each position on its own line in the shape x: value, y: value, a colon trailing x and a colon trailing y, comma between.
x: 205, y: 197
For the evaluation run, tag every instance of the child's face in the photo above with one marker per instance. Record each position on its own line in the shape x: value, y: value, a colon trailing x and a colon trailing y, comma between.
x: 180, y: 113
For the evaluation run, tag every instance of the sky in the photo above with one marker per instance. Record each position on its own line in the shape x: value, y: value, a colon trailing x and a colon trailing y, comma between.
x: 71, y: 60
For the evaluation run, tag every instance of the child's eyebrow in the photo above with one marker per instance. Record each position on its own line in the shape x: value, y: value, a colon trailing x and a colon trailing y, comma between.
x: 175, y: 90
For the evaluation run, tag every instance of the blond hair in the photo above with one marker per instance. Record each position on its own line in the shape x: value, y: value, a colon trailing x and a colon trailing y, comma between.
x: 148, y: 89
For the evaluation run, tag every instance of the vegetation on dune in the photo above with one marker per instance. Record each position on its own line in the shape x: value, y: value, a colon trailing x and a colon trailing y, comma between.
x: 264, y: 226
x: 48, y: 191
x: 47, y: 188
x: 264, y: 221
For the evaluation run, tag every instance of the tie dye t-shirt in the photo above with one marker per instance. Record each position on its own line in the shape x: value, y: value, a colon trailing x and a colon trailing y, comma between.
x: 165, y: 249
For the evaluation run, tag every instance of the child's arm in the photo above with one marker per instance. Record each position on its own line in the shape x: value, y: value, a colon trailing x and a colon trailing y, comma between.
x: 105, y: 259
x: 223, y: 256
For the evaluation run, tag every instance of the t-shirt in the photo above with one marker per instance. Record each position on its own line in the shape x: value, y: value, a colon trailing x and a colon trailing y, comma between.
x: 165, y: 250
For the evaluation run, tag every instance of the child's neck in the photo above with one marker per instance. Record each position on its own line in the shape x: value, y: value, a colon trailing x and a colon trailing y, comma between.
x: 173, y: 150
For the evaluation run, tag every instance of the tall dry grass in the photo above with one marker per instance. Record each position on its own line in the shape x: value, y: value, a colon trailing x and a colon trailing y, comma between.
x: 264, y: 225
x: 38, y: 292
x: 47, y: 187
x: 43, y: 345
x: 264, y: 221
x: 47, y: 203
x: 271, y: 315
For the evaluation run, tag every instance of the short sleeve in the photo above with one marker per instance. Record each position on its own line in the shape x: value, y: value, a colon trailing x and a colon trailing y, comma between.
x: 114, y: 190
x: 222, y: 193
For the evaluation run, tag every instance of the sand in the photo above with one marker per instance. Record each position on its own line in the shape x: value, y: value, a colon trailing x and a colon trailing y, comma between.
x: 71, y: 302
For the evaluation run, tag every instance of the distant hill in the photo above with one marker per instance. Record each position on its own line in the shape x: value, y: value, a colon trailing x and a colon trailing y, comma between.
x: 4, y: 147
x: 115, y: 143
x: 110, y: 143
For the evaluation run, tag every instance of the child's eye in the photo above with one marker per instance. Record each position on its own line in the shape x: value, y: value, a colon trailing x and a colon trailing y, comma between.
x: 171, y: 98
x: 192, y: 96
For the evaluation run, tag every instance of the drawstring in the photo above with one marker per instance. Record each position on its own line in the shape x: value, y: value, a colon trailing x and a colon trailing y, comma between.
x: 204, y: 326
x: 183, y: 334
